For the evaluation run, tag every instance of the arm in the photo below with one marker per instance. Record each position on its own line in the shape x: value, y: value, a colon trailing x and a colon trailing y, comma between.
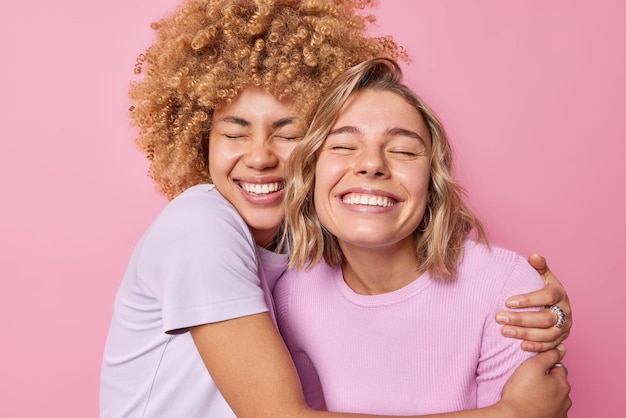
x: 537, y: 329
x: 500, y: 357
x: 541, y: 384
x: 537, y: 389
x: 250, y: 364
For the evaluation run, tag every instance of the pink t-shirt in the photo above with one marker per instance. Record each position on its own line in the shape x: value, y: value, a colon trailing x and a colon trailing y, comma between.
x: 431, y: 346
x: 196, y: 264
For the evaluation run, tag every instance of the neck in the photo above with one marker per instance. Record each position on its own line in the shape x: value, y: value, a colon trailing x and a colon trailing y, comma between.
x: 267, y: 239
x: 372, y: 271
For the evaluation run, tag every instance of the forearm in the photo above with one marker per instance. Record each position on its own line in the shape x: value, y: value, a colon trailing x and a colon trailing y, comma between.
x: 498, y: 410
x: 252, y: 368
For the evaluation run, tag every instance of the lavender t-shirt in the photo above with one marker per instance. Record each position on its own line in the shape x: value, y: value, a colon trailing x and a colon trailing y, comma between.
x: 196, y: 264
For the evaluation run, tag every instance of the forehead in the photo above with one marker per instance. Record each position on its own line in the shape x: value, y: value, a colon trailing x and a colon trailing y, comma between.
x: 253, y: 103
x: 377, y: 109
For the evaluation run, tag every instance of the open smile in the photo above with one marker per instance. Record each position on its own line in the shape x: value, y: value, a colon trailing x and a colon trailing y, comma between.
x: 262, y: 189
x: 368, y: 200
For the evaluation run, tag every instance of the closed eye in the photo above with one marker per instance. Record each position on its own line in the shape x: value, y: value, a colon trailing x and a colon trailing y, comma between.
x: 235, y: 136
x: 288, y: 137
x: 339, y: 149
x: 405, y: 152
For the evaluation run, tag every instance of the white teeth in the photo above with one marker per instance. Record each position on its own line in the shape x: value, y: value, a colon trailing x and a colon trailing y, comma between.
x: 265, y: 188
x: 370, y: 200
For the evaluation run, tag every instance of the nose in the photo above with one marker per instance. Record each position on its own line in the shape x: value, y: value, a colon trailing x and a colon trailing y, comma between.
x: 372, y: 163
x: 260, y: 154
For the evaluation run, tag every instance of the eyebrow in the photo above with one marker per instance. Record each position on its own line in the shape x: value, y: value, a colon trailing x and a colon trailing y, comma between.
x: 406, y: 132
x: 245, y: 123
x: 390, y: 132
x: 345, y: 130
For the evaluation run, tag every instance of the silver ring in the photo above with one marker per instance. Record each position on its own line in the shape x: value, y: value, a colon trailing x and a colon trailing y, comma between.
x: 561, y: 365
x: 560, y: 316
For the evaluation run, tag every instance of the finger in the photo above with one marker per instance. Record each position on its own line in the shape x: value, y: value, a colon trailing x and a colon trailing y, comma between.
x: 535, y: 334
x: 546, y: 360
x: 537, y: 329
x: 535, y: 341
x: 538, y: 262
x: 559, y: 368
x: 545, y: 318
x: 539, y: 347
x: 550, y: 294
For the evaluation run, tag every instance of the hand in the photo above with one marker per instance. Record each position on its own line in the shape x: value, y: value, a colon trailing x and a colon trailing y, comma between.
x: 538, y: 389
x: 538, y: 329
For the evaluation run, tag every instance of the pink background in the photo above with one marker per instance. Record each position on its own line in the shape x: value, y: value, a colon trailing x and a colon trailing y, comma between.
x: 531, y: 92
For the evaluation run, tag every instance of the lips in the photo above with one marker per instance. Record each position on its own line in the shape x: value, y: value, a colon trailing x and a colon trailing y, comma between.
x: 368, y: 200
x: 262, y: 189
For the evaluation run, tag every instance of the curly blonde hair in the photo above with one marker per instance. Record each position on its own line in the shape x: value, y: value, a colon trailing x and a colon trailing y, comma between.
x: 208, y: 51
x: 440, y: 236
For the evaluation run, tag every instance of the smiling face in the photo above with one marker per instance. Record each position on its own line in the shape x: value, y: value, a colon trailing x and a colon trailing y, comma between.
x: 373, y: 172
x: 250, y: 140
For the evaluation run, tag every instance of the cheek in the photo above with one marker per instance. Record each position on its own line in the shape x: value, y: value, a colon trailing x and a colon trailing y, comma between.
x: 284, y: 150
x: 323, y: 179
x: 330, y: 169
x: 329, y: 173
x: 220, y: 149
x: 220, y: 159
x: 417, y: 183
x: 321, y: 192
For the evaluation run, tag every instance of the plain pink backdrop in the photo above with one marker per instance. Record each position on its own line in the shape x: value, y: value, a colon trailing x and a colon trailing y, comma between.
x: 531, y: 93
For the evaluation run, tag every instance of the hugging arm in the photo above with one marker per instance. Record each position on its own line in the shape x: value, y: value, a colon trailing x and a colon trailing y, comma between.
x: 251, y: 366
x: 537, y: 329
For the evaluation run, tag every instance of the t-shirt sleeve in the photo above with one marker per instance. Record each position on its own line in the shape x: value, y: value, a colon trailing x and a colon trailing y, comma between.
x: 200, y: 262
x: 309, y: 378
x: 501, y: 356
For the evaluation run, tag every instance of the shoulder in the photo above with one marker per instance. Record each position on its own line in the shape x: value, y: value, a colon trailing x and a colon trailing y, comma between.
x: 481, y: 255
x: 198, y: 219
x: 298, y: 293
x: 308, y: 276
x: 201, y: 203
x: 304, y: 281
x: 499, y: 266
x: 200, y: 207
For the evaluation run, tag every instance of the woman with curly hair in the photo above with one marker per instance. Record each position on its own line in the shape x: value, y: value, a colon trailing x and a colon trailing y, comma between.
x: 394, y: 287
x: 228, y: 87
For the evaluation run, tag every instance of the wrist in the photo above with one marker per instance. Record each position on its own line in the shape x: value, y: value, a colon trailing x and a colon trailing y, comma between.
x: 503, y: 409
